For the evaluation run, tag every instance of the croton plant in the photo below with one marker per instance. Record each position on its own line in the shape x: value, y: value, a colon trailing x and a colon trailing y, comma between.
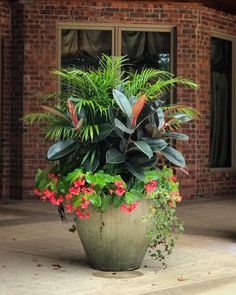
x: 115, y: 140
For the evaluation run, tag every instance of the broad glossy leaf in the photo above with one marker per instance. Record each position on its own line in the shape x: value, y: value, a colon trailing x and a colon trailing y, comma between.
x: 91, y: 165
x: 161, y: 118
x: 135, y: 170
x: 114, y: 156
x: 132, y: 99
x: 122, y: 127
x: 152, y: 131
x: 104, y: 131
x: 61, y: 149
x: 174, y: 156
x: 122, y: 102
x: 144, y: 161
x: 111, y: 116
x: 144, y: 147
x: 175, y: 135
x: 156, y: 145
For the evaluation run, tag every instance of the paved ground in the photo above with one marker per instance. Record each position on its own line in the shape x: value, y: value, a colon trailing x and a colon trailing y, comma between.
x: 38, y: 256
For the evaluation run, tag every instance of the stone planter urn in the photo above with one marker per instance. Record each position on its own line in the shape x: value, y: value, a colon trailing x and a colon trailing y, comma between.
x: 115, y: 240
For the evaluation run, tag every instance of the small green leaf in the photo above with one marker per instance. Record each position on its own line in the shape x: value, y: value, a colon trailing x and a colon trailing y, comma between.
x: 118, y: 201
x: 95, y: 200
x: 144, y: 147
x: 74, y: 175
x: 106, y: 201
x: 113, y: 156
x: 97, y: 178
x: 122, y: 127
x: 174, y: 156
x: 129, y: 198
x: 122, y: 102
x: 77, y: 202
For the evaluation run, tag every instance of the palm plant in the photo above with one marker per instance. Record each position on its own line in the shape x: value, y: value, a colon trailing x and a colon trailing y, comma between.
x: 109, y: 119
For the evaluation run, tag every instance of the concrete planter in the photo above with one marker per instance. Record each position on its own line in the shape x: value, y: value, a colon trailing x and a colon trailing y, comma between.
x: 115, y: 240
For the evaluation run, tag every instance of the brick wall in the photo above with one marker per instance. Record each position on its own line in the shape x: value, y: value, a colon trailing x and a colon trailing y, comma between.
x: 5, y: 99
x: 194, y: 24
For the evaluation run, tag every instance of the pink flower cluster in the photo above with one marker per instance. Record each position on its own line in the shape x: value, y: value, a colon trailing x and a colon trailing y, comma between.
x: 120, y: 189
x: 49, y: 195
x: 150, y: 187
x: 130, y: 208
x: 77, y: 188
x: 175, y: 196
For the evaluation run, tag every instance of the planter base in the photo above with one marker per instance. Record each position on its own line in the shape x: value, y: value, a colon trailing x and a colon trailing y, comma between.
x: 115, y: 240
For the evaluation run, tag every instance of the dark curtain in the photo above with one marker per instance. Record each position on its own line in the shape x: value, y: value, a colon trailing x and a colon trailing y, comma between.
x: 146, y: 50
x: 221, y: 121
x: 82, y: 48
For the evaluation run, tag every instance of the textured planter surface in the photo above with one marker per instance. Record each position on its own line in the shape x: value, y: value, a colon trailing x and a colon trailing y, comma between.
x: 115, y: 240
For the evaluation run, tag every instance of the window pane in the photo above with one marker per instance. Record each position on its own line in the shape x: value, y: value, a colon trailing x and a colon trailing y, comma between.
x: 221, y: 102
x: 82, y: 48
x: 146, y: 49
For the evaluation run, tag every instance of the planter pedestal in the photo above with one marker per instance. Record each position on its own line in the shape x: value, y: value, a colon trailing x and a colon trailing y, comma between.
x: 115, y: 240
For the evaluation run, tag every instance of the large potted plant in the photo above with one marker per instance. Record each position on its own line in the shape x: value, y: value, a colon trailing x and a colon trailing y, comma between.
x: 113, y: 160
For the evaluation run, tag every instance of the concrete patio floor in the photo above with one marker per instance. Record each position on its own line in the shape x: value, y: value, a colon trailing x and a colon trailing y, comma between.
x: 38, y: 256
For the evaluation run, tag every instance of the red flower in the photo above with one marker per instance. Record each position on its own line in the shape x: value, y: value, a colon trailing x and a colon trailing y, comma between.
x: 69, y: 207
x: 79, y: 214
x: 74, y: 191
x: 37, y: 192
x: 87, y: 215
x: 118, y: 183
x: 85, y: 204
x: 130, y: 208
x: 78, y: 183
x: 87, y: 190
x: 48, y: 194
x: 68, y: 197
x: 56, y: 201
x: 171, y: 204
x: 120, y: 191
x: 178, y: 199
x: 173, y: 178
x: 150, y: 187
x: 53, y: 176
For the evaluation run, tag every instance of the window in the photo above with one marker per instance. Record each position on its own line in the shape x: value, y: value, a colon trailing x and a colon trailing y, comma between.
x: 221, y: 140
x: 147, y: 46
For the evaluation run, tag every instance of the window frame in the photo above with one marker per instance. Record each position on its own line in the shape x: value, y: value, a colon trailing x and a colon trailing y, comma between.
x: 116, y: 29
x: 231, y: 38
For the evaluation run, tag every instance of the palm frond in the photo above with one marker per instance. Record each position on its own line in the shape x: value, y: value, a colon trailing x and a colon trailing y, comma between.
x: 37, y: 117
